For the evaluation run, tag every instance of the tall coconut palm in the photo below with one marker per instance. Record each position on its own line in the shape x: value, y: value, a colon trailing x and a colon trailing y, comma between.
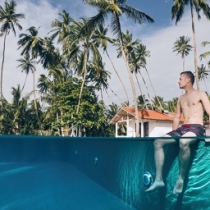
x: 117, y: 8
x: 177, y: 12
x: 32, y: 45
x: 8, y: 19
x: 207, y: 53
x: 79, y: 46
x: 97, y: 75
x: 142, y: 102
x: 27, y: 66
x: 182, y: 47
x: 128, y: 47
x: 137, y: 62
x: 140, y: 55
x: 203, y: 74
x: 61, y: 28
x: 48, y: 87
x: 49, y: 55
x: 101, y: 39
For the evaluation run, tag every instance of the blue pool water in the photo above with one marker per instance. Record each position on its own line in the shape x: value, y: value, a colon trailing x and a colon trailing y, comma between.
x: 63, y: 173
x: 52, y: 186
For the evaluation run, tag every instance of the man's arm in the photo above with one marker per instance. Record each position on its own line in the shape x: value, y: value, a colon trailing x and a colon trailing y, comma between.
x: 177, y: 116
x: 206, y: 104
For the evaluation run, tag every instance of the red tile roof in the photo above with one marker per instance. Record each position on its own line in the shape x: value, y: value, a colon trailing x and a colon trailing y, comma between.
x: 148, y: 114
x: 125, y: 112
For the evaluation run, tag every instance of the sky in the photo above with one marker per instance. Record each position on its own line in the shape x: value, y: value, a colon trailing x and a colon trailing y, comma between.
x: 164, y: 65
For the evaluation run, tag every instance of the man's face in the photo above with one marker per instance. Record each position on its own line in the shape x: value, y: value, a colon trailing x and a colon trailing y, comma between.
x: 183, y: 81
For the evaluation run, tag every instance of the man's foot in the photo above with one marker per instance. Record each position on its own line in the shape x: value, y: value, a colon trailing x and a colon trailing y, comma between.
x: 179, y: 186
x: 155, y: 185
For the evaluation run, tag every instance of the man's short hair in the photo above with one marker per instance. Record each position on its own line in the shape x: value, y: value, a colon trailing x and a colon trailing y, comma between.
x: 190, y: 75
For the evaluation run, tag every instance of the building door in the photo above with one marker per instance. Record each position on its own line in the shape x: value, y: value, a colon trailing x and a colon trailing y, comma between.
x: 146, y: 128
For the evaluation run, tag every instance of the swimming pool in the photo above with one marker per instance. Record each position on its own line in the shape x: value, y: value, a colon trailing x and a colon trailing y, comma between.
x: 95, y: 174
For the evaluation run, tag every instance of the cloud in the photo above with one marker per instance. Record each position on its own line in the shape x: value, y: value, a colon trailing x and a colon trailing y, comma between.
x: 164, y: 65
x: 39, y: 14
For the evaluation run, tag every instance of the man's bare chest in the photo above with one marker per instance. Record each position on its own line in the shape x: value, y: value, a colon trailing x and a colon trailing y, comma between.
x: 190, y: 101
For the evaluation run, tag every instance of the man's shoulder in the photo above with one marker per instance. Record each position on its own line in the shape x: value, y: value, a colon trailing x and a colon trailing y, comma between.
x: 200, y: 92
x: 200, y: 95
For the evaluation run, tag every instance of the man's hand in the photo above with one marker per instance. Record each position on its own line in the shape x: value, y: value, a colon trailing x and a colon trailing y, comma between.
x: 208, y: 135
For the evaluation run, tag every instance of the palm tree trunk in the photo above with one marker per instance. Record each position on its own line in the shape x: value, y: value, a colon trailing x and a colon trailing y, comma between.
x: 24, y: 83
x: 153, y: 88
x: 129, y: 74
x: 195, y: 47
x: 35, y: 105
x: 118, y: 76
x: 205, y: 85
x: 83, y: 81
x: 141, y: 91
x: 2, y: 67
x: 183, y: 70
x: 62, y: 128
x: 183, y: 63
x: 146, y: 88
x: 115, y: 94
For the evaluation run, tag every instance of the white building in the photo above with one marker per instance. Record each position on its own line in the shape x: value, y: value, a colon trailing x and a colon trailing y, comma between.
x: 151, y: 123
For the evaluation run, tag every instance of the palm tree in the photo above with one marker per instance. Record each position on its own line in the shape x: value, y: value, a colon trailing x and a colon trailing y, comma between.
x: 203, y: 74
x: 172, y: 104
x: 117, y: 8
x: 142, y: 102
x: 158, y: 103
x: 19, y: 114
x: 139, y: 61
x: 8, y: 19
x: 207, y: 53
x: 31, y: 42
x: 27, y: 66
x: 177, y: 12
x: 112, y: 110
x: 49, y: 55
x: 102, y: 40
x: 182, y: 47
x: 79, y: 46
x: 61, y: 28
x: 32, y: 45
x: 48, y: 87
x: 129, y: 47
x: 97, y: 75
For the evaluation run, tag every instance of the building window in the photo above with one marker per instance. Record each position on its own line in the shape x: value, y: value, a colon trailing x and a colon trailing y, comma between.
x: 146, y: 128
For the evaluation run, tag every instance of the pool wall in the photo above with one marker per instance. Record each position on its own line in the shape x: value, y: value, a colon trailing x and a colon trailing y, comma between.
x: 118, y: 165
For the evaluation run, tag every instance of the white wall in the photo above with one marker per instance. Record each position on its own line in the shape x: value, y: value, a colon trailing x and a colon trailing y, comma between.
x: 131, y: 129
x: 156, y: 128
x: 159, y: 128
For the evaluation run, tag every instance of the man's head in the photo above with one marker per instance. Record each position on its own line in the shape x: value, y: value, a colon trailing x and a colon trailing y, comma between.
x: 186, y: 78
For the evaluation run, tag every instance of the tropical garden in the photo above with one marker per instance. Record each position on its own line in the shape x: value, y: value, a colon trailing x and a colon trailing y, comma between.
x: 68, y: 98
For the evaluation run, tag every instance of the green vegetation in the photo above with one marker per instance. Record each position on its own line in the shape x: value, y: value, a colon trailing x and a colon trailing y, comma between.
x: 65, y: 99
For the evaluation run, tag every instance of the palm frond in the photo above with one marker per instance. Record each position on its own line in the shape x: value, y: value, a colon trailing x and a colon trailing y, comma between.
x: 135, y: 14
x: 177, y: 9
x: 94, y: 21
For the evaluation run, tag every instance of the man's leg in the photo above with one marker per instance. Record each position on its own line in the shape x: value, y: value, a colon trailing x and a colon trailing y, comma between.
x: 159, y: 157
x: 184, y: 157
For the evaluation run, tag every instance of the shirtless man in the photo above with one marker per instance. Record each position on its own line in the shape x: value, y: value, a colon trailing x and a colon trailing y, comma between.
x: 191, y: 105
